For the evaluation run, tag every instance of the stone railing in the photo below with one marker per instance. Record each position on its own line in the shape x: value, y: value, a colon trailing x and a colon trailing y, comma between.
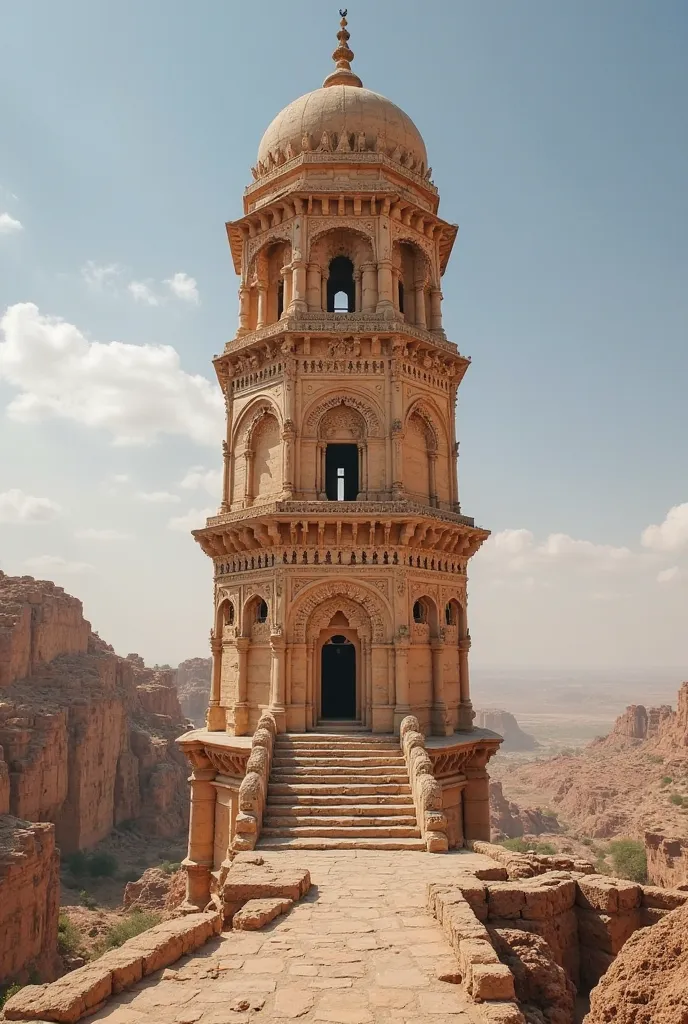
x: 254, y: 786
x: 426, y: 790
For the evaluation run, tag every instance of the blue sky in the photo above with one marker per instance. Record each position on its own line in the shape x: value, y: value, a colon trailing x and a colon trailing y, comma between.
x: 557, y: 139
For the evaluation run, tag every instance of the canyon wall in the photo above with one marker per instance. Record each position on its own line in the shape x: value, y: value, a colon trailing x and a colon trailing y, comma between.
x: 504, y: 723
x: 667, y: 860
x: 86, y: 743
x: 508, y: 820
x: 193, y: 687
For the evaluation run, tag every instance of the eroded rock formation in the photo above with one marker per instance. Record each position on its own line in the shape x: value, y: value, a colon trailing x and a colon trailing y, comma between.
x: 508, y: 820
x: 504, y: 723
x: 193, y: 687
x: 667, y: 860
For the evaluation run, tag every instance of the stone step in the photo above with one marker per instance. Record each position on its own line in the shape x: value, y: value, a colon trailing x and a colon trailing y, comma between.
x: 340, y: 725
x: 339, y: 788
x: 316, y: 804
x: 344, y: 832
x: 378, y: 739
x: 278, y: 843
x: 341, y: 819
x: 334, y: 761
x: 355, y: 772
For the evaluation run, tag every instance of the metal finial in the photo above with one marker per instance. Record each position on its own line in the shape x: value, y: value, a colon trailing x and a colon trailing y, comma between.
x: 342, y: 57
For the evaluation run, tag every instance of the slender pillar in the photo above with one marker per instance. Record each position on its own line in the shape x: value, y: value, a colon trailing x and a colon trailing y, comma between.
x: 361, y: 473
x: 298, y: 299
x: 199, y: 859
x: 385, y: 297
x: 313, y: 289
x: 288, y: 437
x: 248, y: 480
x: 322, y: 450
x: 432, y: 471
x: 323, y: 289
x: 215, y: 718
x: 420, y: 306
x: 287, y: 290
x: 396, y: 274
x: 227, y: 448
x: 401, y: 706
x: 244, y: 311
x: 277, y: 681
x: 441, y: 725
x: 357, y: 291
x: 262, y: 306
x: 435, y: 309
x: 310, y: 716
x: 241, y: 707
x: 476, y: 802
x: 368, y: 288
x: 466, y: 713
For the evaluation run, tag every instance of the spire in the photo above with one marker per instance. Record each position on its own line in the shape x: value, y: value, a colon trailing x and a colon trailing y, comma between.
x: 342, y: 57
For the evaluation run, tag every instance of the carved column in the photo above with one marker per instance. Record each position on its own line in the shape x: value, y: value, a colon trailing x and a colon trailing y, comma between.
x: 440, y: 718
x: 357, y: 291
x: 369, y: 288
x: 310, y: 702
x: 476, y: 800
x: 298, y: 300
x: 288, y: 438
x: 244, y: 311
x: 397, y: 426
x: 324, y: 275
x: 241, y: 725
x: 277, y: 681
x: 262, y: 306
x: 322, y: 483
x: 466, y: 713
x: 432, y: 471
x: 286, y: 275
x: 420, y: 306
x: 199, y: 860
x: 435, y: 309
x: 313, y: 289
x: 362, y: 482
x: 227, y: 448
x: 396, y: 275
x: 215, y: 718
x: 454, y: 447
x: 385, y: 290
x: 401, y: 705
x: 248, y: 480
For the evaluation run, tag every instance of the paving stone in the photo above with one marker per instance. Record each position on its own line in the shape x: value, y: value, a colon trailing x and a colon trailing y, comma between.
x: 263, y: 965
x: 292, y: 1002
x: 402, y: 979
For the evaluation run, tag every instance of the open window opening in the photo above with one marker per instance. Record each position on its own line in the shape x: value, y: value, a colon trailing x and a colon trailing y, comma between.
x: 341, y: 472
x: 401, y: 297
x: 280, y: 299
x: 419, y: 612
x: 341, y: 290
x: 261, y: 612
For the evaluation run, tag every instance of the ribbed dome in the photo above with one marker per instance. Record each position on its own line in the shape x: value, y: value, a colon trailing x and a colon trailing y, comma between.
x: 347, y: 109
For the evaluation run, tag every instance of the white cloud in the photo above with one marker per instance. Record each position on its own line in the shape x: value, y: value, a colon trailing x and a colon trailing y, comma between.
x: 136, y: 392
x: 55, y: 564
x: 9, y: 225
x: 183, y: 287
x: 672, y: 534
x: 157, y: 497
x: 142, y: 292
x: 101, y: 277
x: 199, y: 478
x: 194, y: 519
x: 120, y: 478
x: 517, y: 551
x: 18, y: 507
x: 107, y: 535
x: 667, y: 575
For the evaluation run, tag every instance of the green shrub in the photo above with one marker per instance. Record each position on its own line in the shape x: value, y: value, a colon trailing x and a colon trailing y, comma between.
x: 655, y: 759
x: 666, y: 780
x: 133, y: 924
x: 545, y: 848
x: 170, y: 866
x: 586, y: 841
x: 517, y: 845
x: 87, y: 900
x: 7, y: 992
x: 77, y: 863
x: 132, y: 875
x: 101, y: 865
x: 676, y: 799
x: 68, y: 937
x: 629, y: 860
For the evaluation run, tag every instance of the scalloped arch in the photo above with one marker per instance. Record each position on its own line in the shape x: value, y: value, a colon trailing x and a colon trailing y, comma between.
x: 251, y: 417
x: 320, y: 406
x: 328, y: 598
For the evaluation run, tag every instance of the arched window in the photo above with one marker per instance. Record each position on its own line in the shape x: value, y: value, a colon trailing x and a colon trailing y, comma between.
x: 401, y: 296
x: 230, y: 614
x: 341, y: 290
x: 449, y: 617
x: 419, y: 612
x: 280, y: 299
x: 261, y: 611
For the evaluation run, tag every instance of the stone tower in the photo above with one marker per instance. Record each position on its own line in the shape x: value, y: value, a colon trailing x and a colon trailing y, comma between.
x: 339, y: 550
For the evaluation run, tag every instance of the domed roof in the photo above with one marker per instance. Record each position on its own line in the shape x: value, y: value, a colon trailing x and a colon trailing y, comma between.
x: 343, y: 109
x: 342, y: 117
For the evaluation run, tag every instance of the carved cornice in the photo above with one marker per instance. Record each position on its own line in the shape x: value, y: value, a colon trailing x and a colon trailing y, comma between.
x: 344, y: 510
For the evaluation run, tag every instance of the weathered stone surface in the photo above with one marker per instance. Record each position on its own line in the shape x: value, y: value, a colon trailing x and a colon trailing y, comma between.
x: 247, y: 881
x: 29, y: 898
x: 192, y: 679
x: 257, y: 913
x: 667, y: 859
x: 81, y: 991
x: 155, y: 890
x: 609, y: 895
x: 539, y: 981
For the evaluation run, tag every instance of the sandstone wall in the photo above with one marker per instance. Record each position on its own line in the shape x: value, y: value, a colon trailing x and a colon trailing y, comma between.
x: 667, y: 860
x: 29, y: 898
x: 193, y: 687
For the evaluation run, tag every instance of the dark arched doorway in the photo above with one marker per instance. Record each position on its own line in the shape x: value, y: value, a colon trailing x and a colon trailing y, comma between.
x: 338, y: 678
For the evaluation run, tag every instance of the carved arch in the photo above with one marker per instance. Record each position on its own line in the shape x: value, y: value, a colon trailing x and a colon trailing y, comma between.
x: 336, y: 238
x: 314, y: 415
x: 431, y: 421
x: 251, y: 417
x: 340, y: 596
x: 257, y: 246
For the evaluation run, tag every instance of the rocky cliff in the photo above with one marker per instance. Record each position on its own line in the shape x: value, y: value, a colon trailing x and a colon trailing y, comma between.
x: 667, y: 860
x: 508, y: 820
x: 506, y: 725
x: 193, y: 687
x: 86, y: 742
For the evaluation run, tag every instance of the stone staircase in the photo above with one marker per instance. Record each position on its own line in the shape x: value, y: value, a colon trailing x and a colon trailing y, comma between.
x: 339, y: 787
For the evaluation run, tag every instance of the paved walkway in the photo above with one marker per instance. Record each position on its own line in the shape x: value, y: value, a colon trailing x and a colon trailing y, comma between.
x: 359, y: 949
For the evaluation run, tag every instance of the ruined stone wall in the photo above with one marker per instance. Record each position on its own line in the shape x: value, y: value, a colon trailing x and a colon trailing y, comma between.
x: 193, y: 687
x: 29, y: 899
x: 667, y: 859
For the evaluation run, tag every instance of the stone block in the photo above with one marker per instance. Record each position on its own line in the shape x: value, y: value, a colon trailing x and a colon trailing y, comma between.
x: 505, y: 900
x: 608, y: 895
x: 66, y: 1000
x: 491, y: 981
x: 501, y: 1013
x: 606, y: 932
x: 247, y: 881
x: 662, y: 899
x: 257, y: 913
